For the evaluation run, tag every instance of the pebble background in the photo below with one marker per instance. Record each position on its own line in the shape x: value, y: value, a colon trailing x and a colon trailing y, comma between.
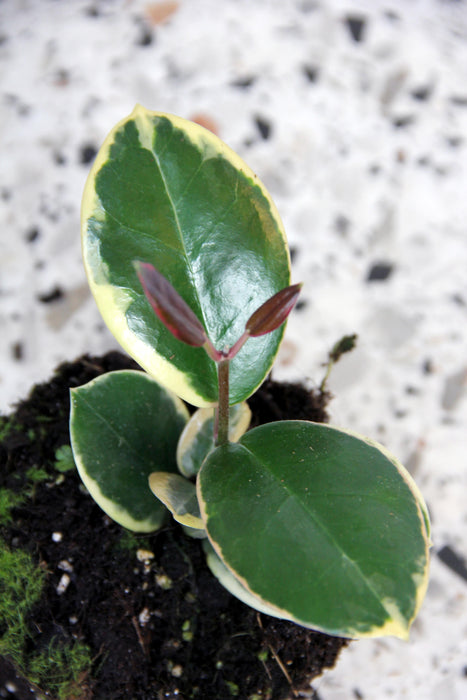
x: 354, y: 115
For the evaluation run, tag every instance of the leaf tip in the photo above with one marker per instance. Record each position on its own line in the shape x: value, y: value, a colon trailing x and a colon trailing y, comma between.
x: 169, y: 306
x: 272, y: 314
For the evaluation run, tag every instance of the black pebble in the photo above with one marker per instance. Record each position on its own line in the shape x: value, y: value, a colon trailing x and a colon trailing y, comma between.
x: 264, y: 127
x: 379, y: 272
x: 454, y: 141
x: 402, y: 122
x: 244, y: 83
x: 146, y: 38
x: 452, y: 560
x: 59, y: 159
x: 428, y: 367
x: 356, y: 26
x: 342, y: 224
x: 422, y: 93
x: 459, y: 300
x: 312, y: 73
x: 391, y: 15
x: 33, y: 234
x: 17, y: 350
x: 87, y: 153
x: 459, y: 100
x: 92, y: 11
x: 423, y: 161
x: 412, y: 390
x: 54, y: 295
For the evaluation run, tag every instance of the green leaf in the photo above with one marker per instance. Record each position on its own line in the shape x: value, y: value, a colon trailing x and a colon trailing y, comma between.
x: 64, y: 461
x: 197, y: 438
x: 170, y: 193
x: 179, y: 496
x: 323, y: 525
x: 346, y: 344
x: 123, y: 426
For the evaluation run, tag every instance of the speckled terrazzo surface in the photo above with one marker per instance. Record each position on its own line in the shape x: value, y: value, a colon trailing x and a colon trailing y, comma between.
x: 354, y: 114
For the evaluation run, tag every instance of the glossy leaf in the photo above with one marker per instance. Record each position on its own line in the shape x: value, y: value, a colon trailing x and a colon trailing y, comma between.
x: 324, y: 526
x: 168, y: 192
x: 197, y: 438
x: 179, y: 496
x: 123, y: 426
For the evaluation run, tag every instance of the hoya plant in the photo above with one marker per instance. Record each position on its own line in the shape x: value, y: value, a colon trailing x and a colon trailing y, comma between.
x: 187, y: 260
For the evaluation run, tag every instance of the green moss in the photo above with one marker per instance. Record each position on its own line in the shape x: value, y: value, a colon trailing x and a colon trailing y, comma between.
x: 5, y: 427
x: 130, y: 542
x: 187, y: 632
x: 60, y: 670
x: 20, y: 587
x: 8, y: 501
x: 233, y: 688
x: 37, y: 474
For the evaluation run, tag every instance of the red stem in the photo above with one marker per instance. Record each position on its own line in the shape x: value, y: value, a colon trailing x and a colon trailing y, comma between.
x: 222, y: 411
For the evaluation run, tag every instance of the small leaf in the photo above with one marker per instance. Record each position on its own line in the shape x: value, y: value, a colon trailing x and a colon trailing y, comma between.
x: 197, y: 438
x: 324, y: 526
x: 179, y: 496
x: 123, y: 426
x: 64, y: 461
x: 273, y: 312
x: 346, y: 344
x: 169, y: 306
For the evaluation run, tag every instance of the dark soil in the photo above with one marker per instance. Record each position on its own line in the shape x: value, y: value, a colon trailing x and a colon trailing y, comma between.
x: 160, y: 628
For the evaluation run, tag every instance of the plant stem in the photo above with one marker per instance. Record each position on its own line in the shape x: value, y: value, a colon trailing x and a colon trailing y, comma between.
x: 222, y: 421
x: 322, y: 386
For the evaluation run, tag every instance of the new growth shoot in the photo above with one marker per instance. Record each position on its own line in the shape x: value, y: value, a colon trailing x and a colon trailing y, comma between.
x: 182, y: 322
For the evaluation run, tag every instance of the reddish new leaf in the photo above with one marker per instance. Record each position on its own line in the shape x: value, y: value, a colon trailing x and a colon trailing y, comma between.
x: 273, y: 312
x: 169, y: 306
